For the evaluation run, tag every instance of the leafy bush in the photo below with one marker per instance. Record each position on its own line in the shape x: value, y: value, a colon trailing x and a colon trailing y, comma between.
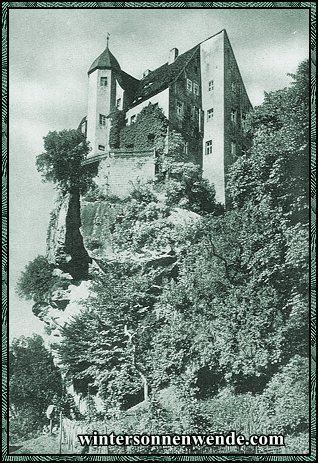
x: 37, y: 280
x: 286, y: 398
x: 143, y: 193
x: 189, y: 190
x: 34, y: 382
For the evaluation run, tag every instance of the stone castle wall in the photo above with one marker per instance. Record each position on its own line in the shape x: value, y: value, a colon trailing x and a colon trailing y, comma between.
x: 121, y: 170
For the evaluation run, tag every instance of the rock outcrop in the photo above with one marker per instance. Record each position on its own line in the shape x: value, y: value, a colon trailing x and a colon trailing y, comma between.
x: 65, y: 247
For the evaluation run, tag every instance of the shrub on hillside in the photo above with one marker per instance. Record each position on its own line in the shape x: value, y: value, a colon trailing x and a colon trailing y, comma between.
x: 37, y: 280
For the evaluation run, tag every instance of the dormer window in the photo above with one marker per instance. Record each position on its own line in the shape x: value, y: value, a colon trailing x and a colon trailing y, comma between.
x: 118, y: 103
x: 189, y: 85
x: 148, y: 84
x: 103, y: 81
x: 101, y: 147
x: 234, y: 116
x: 133, y: 119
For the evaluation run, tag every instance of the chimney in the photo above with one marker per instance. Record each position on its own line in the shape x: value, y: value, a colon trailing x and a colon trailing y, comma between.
x: 146, y: 73
x: 173, y: 55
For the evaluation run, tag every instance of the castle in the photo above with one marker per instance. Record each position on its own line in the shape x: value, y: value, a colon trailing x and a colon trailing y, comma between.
x: 201, y: 89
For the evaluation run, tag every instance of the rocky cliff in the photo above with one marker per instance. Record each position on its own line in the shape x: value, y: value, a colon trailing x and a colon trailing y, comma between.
x: 65, y: 246
x: 85, y: 238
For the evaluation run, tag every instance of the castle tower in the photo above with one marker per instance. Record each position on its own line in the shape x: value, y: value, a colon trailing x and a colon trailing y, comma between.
x: 102, y: 85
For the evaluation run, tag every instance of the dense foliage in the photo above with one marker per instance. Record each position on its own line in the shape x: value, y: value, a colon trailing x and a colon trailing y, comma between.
x: 148, y: 131
x: 34, y: 382
x: 37, y: 280
x: 185, y: 187
x: 61, y: 162
x: 208, y: 308
x: 117, y: 124
x: 275, y: 173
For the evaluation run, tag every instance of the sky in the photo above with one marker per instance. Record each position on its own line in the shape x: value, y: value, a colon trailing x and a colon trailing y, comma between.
x: 50, y: 52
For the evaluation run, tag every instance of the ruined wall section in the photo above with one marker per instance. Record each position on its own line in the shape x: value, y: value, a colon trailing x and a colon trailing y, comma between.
x: 122, y: 170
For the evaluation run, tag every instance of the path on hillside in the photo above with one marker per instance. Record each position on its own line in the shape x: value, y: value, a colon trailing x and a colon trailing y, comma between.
x: 44, y: 445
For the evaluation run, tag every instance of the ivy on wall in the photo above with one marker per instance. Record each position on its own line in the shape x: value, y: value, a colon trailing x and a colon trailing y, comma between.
x: 149, y: 130
x: 117, y: 124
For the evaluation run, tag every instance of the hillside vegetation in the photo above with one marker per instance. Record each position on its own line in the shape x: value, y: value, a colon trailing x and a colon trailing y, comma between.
x: 197, y: 322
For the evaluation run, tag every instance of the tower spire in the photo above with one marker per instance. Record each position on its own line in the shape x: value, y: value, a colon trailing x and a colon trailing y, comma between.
x: 107, y: 39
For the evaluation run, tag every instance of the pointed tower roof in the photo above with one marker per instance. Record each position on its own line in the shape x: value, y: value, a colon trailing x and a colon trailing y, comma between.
x: 105, y: 61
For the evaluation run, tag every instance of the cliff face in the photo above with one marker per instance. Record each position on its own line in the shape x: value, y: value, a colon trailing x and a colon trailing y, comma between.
x: 97, y: 219
x: 85, y: 238
x: 65, y: 247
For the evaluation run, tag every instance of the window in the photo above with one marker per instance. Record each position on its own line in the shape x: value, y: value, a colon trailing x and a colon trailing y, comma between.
x: 189, y: 85
x: 194, y: 113
x: 84, y: 127
x: 196, y: 89
x: 101, y: 147
x: 133, y: 119
x: 234, y: 116
x: 208, y: 147
x: 179, y: 108
x: 210, y: 114
x: 103, y: 81
x: 118, y: 103
x: 233, y: 148
x: 151, y: 138
x: 102, y: 120
x: 243, y: 120
x: 211, y: 85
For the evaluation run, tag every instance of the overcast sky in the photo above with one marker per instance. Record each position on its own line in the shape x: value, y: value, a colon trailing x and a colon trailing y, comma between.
x: 50, y: 51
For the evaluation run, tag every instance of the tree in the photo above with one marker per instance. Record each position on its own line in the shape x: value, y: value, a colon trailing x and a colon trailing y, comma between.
x: 286, y: 398
x: 95, y: 349
x: 37, y: 280
x: 61, y: 162
x: 186, y: 188
x: 33, y: 383
x: 275, y: 173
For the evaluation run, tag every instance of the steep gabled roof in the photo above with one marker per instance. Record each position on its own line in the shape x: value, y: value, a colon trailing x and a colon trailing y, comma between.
x: 162, y: 77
